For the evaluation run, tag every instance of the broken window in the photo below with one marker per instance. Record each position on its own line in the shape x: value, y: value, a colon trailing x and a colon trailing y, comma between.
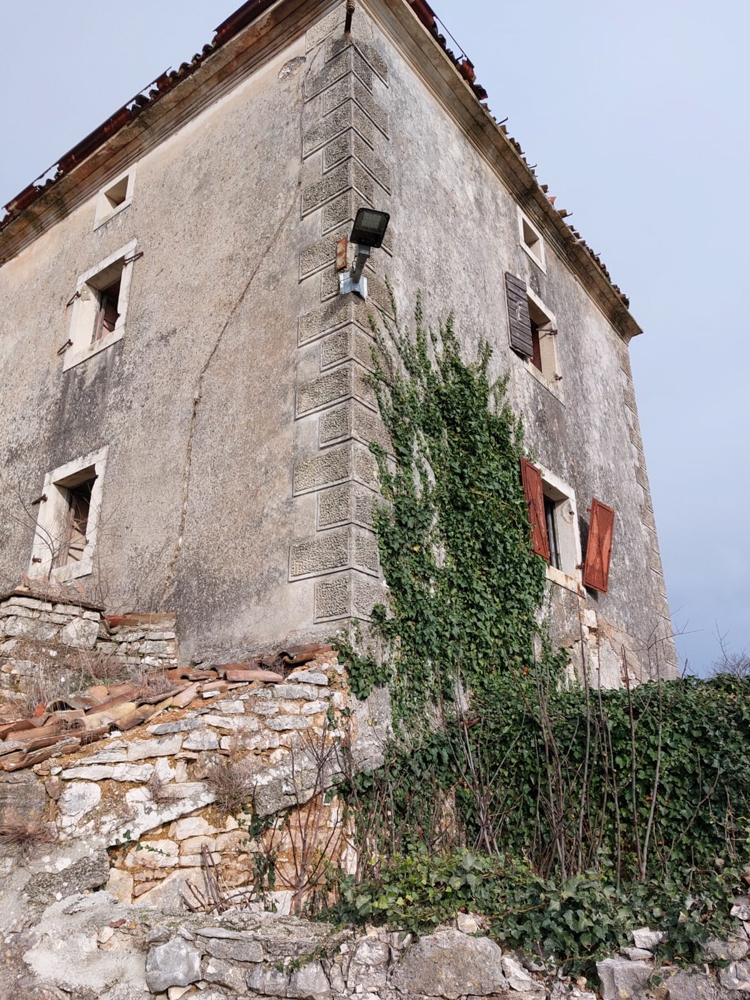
x: 108, y: 312
x: 532, y: 328
x: 72, y: 545
x: 99, y: 307
x: 68, y: 519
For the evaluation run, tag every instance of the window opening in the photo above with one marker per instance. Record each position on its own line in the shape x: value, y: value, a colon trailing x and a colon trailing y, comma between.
x: 116, y: 195
x: 550, y: 517
x: 536, y: 349
x: 108, y: 312
x: 74, y: 539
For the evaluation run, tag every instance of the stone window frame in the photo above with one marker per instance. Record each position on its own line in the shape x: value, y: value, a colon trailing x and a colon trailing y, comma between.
x: 105, y: 210
x: 568, y: 534
x: 84, y: 303
x: 549, y: 374
x: 52, y: 514
x: 529, y: 238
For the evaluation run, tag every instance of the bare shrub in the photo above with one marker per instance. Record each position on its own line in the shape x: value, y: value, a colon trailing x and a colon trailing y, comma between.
x: 23, y: 839
x: 232, y: 782
x: 734, y: 663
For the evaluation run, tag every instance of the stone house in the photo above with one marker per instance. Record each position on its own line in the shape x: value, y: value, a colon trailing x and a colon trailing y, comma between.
x: 186, y: 413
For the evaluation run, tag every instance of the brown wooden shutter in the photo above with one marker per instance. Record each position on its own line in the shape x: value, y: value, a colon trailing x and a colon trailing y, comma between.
x: 534, y: 490
x: 518, y: 315
x: 599, y: 550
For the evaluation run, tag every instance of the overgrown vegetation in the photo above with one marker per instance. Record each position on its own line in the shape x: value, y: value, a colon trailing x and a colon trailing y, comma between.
x: 566, y: 814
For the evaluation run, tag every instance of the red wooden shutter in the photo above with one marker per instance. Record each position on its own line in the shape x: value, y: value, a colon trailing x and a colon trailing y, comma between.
x: 599, y: 549
x: 519, y: 321
x: 532, y: 487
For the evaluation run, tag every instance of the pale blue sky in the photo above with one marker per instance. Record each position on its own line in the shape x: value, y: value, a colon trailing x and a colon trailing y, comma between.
x: 636, y: 114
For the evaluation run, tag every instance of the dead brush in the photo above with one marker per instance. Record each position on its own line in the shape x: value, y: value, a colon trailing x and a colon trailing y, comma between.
x: 23, y: 839
x: 232, y: 782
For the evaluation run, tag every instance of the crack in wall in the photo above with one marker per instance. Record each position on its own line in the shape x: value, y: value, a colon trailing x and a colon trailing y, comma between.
x: 199, y: 394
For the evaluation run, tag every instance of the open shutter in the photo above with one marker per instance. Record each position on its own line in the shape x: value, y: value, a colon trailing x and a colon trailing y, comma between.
x: 599, y: 550
x: 519, y: 320
x: 534, y: 490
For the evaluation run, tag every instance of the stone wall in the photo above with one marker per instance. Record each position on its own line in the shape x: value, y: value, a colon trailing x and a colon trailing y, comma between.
x: 50, y: 636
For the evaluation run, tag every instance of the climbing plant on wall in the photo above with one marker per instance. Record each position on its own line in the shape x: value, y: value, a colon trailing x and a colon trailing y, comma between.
x: 565, y: 813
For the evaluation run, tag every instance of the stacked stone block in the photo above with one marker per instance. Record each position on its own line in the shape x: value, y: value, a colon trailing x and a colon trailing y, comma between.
x: 344, y: 150
x: 39, y: 633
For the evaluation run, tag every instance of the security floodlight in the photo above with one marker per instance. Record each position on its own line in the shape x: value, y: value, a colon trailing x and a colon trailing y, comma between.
x: 369, y: 228
x: 368, y: 233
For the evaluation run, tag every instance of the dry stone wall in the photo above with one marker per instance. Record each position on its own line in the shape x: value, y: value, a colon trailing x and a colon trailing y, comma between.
x: 44, y: 636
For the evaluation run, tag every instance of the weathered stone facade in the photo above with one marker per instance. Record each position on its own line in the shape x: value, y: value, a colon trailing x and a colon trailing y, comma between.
x: 228, y: 416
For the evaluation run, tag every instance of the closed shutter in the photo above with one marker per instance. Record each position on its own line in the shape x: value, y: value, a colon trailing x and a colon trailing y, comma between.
x: 599, y: 550
x: 519, y: 320
x: 534, y: 490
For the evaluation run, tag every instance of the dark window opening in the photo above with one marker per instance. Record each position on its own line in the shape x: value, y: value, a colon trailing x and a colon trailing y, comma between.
x: 536, y: 348
x: 107, y: 313
x: 554, y: 547
x: 73, y: 542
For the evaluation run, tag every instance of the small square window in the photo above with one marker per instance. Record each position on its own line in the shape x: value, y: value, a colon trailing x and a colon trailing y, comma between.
x: 531, y: 240
x: 114, y: 198
x: 99, y: 307
x: 68, y: 519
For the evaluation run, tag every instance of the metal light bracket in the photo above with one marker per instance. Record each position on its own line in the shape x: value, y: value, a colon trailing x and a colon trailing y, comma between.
x: 354, y: 280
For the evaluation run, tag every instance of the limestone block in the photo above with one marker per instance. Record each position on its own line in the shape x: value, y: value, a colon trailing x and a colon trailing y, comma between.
x: 88, y: 872
x: 120, y: 884
x: 268, y: 981
x: 307, y: 692
x: 168, y: 895
x: 153, y: 854
x: 320, y: 254
x: 335, y: 425
x: 335, y: 182
x: 314, y: 707
x: 235, y: 949
x: 325, y: 390
x: 145, y: 814
x: 341, y: 65
x: 736, y: 977
x: 176, y: 963
x: 181, y: 726
x: 285, y: 722
x: 365, y: 51
x: 732, y: 950
x: 648, y: 939
x: 622, y: 980
x: 308, y: 677
x: 309, y: 981
x: 134, y: 773
x: 690, y: 986
x: 348, y: 503
x: 225, y: 974
x: 519, y: 979
x: 23, y: 800
x: 326, y: 469
x: 345, y: 116
x: 351, y: 144
x: 325, y: 552
x: 81, y: 633
x: 333, y: 598
x: 449, y: 964
x: 202, y: 740
x: 320, y: 31
x: 78, y: 799
x: 31, y: 603
x: 24, y: 628
x: 193, y: 845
